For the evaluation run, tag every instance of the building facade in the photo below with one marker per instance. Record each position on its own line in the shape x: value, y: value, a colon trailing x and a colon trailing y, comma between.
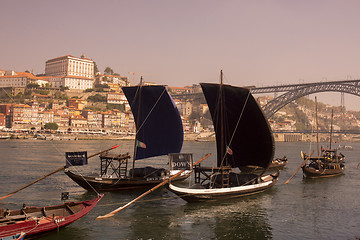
x: 19, y: 79
x: 69, y: 71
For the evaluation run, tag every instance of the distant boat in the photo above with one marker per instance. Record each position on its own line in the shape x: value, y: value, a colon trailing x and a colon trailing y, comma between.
x: 243, y: 137
x: 159, y: 132
x: 5, y: 136
x: 34, y: 221
x: 327, y: 163
x: 345, y: 147
x: 276, y: 164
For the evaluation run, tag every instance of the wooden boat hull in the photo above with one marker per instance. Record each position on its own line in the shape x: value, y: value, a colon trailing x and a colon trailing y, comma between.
x: 39, y: 220
x: 310, y: 172
x: 200, y: 195
x: 117, y: 184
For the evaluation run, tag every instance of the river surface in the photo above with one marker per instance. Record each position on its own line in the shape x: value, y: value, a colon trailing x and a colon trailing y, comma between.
x: 303, y: 209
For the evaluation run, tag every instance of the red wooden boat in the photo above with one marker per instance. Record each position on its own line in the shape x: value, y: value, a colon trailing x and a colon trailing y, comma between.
x: 32, y: 221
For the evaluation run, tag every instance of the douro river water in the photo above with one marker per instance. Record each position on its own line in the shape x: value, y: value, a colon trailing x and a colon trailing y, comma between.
x: 303, y: 209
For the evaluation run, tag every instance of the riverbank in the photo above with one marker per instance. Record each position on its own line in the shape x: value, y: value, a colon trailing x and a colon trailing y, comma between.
x: 187, y: 137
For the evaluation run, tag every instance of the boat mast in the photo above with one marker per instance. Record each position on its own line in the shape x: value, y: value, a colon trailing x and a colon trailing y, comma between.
x: 137, y: 123
x: 331, y: 127
x: 222, y: 137
x: 317, y: 127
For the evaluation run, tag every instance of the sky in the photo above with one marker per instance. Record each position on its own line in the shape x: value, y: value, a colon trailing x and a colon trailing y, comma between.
x: 185, y: 42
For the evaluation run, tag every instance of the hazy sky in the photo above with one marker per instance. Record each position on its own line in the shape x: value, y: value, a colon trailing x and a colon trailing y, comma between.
x: 184, y: 42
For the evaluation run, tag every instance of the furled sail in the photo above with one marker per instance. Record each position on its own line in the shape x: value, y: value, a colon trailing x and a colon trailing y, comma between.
x: 246, y: 137
x: 157, y: 119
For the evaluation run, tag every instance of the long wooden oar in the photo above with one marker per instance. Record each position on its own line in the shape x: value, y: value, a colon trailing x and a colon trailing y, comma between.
x: 103, y: 151
x: 358, y: 165
x: 149, y: 191
x: 301, y: 165
x: 51, y: 173
x: 12, y: 193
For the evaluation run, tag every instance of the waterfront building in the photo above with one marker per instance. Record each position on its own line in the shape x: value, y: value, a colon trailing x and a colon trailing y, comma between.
x: 69, y: 71
x: 78, y: 121
x: 34, y: 111
x: 21, y: 113
x: 46, y: 117
x: 94, y: 119
x: 112, y: 119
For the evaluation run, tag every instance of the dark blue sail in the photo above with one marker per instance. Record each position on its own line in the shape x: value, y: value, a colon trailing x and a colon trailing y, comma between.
x: 158, y: 123
x: 243, y: 134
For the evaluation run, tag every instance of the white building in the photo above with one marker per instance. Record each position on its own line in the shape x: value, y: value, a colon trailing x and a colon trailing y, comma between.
x: 19, y: 79
x: 69, y: 71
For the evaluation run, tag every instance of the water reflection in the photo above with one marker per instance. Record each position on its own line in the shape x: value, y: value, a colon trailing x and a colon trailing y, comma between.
x: 241, y: 218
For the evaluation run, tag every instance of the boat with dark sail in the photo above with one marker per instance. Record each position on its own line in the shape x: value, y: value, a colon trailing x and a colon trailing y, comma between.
x: 243, y: 138
x: 327, y: 163
x: 159, y: 131
x: 30, y: 222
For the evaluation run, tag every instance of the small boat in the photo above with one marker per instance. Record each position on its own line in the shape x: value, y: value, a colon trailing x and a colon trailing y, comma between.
x: 345, y: 147
x: 276, y: 164
x: 241, y: 131
x: 5, y: 136
x: 34, y: 221
x: 159, y: 132
x: 327, y: 163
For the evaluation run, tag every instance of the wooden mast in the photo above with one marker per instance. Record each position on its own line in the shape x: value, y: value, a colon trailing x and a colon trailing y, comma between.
x: 317, y: 127
x: 331, y: 127
x: 222, y: 137
x: 136, y: 125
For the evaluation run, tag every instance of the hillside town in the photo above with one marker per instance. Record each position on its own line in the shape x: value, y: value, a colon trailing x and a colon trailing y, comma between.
x: 73, y: 96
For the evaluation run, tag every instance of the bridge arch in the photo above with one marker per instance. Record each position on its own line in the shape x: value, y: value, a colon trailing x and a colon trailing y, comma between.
x: 277, y: 103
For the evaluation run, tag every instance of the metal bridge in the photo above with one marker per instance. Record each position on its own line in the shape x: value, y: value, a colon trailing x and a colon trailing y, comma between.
x: 296, y: 91
x: 292, y: 92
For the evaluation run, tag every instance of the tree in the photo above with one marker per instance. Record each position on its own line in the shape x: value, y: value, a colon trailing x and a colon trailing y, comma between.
x: 108, y: 71
x: 97, y: 98
x: 51, y: 126
x: 32, y: 85
x: 112, y: 106
x: 96, y: 70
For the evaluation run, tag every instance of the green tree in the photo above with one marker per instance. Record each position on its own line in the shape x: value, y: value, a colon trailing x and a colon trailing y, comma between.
x: 32, y: 85
x: 96, y: 70
x: 112, y: 106
x: 97, y: 98
x: 108, y: 71
x: 51, y: 126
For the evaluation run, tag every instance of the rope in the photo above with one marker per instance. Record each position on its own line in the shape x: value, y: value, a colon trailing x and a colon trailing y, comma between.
x: 137, y: 130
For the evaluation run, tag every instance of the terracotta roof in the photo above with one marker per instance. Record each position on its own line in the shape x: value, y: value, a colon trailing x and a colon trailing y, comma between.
x: 42, y: 96
x: 78, y: 117
x: 23, y: 74
x: 67, y: 56
x: 21, y: 106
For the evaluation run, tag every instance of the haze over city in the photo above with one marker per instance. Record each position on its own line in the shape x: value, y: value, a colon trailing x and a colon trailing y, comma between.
x: 180, y: 43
